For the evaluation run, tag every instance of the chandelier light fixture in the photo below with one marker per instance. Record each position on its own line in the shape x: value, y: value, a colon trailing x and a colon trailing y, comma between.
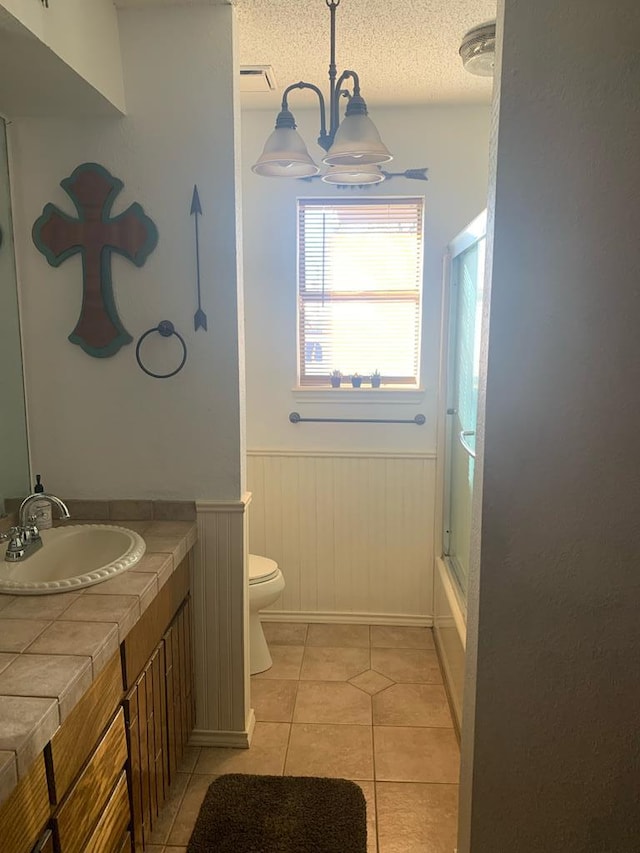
x: 354, y: 151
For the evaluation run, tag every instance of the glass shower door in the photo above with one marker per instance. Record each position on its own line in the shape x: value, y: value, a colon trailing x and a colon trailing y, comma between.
x: 465, y: 317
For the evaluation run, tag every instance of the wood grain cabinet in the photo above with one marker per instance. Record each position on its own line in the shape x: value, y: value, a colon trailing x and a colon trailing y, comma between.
x: 92, y: 794
x: 102, y: 780
x: 159, y: 703
x: 24, y: 815
x: 86, y: 763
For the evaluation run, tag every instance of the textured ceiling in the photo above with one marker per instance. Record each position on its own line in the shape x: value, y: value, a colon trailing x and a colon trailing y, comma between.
x: 405, y: 51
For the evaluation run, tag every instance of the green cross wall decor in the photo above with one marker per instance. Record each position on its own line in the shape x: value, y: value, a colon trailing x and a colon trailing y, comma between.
x: 95, y: 234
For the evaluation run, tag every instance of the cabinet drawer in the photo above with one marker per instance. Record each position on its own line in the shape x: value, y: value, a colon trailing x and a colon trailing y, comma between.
x: 108, y: 834
x: 79, y: 813
x: 23, y: 816
x: 74, y: 741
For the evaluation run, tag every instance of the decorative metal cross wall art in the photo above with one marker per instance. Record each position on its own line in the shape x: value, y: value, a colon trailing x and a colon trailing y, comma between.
x: 95, y: 234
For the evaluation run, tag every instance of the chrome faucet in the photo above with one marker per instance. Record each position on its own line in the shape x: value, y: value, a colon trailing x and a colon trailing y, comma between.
x: 25, y: 538
x: 24, y: 516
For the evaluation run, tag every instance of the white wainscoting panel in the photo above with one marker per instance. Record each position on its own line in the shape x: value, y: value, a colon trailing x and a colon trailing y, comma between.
x: 221, y: 632
x: 352, y: 533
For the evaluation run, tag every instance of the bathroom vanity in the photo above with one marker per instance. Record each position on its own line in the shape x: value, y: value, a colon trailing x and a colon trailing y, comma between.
x: 92, y: 768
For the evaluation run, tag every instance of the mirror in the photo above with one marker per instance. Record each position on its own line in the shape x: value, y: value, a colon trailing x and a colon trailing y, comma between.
x: 14, y: 456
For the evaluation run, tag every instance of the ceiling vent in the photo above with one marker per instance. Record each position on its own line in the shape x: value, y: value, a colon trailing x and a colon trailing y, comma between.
x: 257, y: 78
x: 478, y: 50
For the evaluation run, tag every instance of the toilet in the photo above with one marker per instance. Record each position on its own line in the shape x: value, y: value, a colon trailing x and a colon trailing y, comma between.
x: 265, y: 585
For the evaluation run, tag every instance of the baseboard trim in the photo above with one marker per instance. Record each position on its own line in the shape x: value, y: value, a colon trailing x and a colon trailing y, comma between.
x: 250, y: 725
x: 233, y: 740
x: 329, y: 617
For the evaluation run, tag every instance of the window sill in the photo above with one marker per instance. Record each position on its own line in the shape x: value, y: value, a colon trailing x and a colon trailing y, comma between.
x: 396, y: 395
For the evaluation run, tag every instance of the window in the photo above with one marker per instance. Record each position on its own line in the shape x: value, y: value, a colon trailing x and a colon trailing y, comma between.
x: 359, y: 288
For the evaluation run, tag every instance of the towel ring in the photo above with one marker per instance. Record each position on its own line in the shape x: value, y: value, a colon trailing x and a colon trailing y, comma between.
x: 166, y: 329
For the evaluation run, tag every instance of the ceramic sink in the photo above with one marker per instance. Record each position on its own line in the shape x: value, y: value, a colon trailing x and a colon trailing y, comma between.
x: 72, y: 557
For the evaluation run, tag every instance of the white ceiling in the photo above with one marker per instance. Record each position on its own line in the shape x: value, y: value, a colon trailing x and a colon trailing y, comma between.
x: 405, y: 51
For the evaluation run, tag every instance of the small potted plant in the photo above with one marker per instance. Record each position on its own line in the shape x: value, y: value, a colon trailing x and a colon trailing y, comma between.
x: 375, y: 379
x: 335, y: 378
x: 356, y: 380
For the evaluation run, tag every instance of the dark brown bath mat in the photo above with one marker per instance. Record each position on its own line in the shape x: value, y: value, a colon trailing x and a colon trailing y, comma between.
x: 280, y: 814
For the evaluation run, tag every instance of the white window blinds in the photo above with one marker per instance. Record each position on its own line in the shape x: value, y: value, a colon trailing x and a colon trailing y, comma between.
x: 359, y: 285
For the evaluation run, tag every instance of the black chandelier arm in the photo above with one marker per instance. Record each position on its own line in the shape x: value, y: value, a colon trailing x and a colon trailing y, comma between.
x: 325, y: 139
x: 344, y: 76
x: 336, y: 92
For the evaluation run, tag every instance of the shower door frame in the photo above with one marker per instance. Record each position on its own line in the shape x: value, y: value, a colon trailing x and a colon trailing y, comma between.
x: 449, y: 603
x: 472, y: 234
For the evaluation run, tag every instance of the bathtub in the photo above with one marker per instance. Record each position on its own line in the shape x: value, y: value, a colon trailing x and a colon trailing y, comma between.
x: 450, y: 633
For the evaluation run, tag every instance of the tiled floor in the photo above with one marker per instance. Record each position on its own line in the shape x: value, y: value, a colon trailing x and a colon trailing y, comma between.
x: 352, y: 701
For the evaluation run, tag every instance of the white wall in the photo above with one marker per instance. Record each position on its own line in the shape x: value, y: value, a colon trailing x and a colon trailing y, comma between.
x: 84, y: 35
x: 550, y: 724
x: 100, y: 427
x: 453, y: 143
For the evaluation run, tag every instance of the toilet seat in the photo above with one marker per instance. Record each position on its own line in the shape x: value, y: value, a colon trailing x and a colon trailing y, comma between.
x: 261, y: 569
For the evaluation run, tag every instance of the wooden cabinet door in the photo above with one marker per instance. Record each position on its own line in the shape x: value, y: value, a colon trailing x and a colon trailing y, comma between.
x: 131, y: 715
x: 159, y: 712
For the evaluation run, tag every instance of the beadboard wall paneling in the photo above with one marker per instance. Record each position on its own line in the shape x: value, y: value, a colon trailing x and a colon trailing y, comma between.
x: 220, y: 608
x: 352, y: 533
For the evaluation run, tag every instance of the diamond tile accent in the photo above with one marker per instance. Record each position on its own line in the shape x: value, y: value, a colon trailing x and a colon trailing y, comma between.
x: 371, y: 682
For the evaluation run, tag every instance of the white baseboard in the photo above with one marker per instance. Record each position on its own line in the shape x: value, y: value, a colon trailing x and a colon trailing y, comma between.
x: 232, y: 740
x: 329, y: 617
x: 250, y: 725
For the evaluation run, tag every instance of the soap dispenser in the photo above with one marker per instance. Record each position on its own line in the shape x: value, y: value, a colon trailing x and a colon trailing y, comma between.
x: 42, y: 509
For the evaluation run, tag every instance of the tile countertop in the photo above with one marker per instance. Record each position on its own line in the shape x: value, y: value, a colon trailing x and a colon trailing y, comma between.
x: 53, y: 646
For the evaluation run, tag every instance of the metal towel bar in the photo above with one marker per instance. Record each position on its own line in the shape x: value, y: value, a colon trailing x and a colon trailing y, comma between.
x: 295, y: 418
x: 462, y: 438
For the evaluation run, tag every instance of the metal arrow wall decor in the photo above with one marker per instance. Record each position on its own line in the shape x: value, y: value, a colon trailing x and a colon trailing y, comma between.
x: 199, y: 318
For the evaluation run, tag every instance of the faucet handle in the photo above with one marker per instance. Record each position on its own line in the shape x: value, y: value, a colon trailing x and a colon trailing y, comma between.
x: 16, y: 546
x: 11, y: 533
x: 31, y: 532
x: 15, y: 538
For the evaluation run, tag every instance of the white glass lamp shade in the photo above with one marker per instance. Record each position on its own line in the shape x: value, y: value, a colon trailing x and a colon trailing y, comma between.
x: 357, y: 175
x: 285, y: 156
x: 357, y: 143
